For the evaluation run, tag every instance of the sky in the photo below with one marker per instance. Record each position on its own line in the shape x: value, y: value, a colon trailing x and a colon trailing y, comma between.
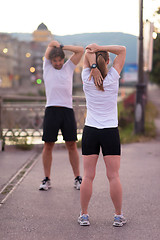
x: 67, y: 17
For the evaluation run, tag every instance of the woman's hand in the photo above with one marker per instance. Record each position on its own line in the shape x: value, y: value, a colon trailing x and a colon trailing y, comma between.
x: 96, y: 74
x: 92, y: 48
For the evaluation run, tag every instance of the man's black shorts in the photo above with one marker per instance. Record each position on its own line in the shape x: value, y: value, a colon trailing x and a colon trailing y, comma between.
x: 59, y: 118
x: 107, y: 139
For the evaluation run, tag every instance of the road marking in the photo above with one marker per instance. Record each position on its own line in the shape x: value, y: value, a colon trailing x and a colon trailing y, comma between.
x: 6, y: 191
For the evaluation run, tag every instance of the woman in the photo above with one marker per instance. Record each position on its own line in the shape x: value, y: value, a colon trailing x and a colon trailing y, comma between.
x: 101, y: 127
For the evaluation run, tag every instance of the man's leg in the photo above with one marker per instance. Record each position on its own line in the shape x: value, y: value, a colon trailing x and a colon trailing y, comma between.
x: 47, y: 158
x: 73, y: 157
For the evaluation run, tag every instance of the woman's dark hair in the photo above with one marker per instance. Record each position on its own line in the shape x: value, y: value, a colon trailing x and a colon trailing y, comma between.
x: 56, y: 52
x: 101, y: 58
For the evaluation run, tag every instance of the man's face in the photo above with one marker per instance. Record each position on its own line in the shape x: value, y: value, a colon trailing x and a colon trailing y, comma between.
x: 57, y: 62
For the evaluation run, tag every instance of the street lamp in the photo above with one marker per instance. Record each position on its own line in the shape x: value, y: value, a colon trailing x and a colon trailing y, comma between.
x: 5, y: 50
x: 141, y: 86
x: 154, y: 35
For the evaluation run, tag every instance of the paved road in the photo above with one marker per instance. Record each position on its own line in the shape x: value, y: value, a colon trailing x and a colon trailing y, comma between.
x: 32, y: 214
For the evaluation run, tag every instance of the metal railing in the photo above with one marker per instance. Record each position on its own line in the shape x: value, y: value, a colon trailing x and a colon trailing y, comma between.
x: 23, y: 116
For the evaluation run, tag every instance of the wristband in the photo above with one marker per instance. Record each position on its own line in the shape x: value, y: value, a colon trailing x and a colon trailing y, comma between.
x: 61, y: 46
x: 94, y: 65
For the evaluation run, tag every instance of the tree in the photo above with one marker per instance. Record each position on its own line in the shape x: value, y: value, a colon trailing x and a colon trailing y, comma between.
x: 155, y: 73
x: 156, y: 19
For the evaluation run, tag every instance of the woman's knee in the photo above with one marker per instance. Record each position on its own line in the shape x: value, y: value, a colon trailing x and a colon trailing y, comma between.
x: 112, y: 175
x: 89, y: 175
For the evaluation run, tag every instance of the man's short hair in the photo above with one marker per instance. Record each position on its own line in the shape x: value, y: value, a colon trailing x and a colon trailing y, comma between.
x: 56, y: 52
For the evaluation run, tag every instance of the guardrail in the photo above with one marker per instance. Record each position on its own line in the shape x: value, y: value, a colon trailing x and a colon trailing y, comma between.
x: 23, y: 116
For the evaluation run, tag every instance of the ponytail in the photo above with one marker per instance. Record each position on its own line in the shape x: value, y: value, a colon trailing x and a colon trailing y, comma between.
x: 101, y: 59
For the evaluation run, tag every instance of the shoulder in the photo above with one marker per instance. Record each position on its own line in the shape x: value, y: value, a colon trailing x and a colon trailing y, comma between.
x: 69, y: 64
x: 113, y: 73
x: 46, y: 62
x: 85, y: 73
x: 112, y: 78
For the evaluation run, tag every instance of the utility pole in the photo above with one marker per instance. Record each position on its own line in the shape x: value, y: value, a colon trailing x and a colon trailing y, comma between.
x: 141, y: 86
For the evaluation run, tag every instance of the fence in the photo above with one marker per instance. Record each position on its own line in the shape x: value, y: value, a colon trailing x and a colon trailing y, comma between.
x: 23, y: 116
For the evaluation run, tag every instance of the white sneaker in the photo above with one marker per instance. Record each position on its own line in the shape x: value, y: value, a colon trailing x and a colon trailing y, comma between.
x: 46, y: 184
x: 77, y: 182
x: 119, y: 220
x: 83, y: 220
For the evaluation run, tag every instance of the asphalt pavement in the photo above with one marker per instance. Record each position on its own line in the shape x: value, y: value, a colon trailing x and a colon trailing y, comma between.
x: 27, y: 213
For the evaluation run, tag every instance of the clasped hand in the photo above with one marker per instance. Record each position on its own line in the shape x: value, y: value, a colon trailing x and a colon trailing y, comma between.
x: 97, y: 76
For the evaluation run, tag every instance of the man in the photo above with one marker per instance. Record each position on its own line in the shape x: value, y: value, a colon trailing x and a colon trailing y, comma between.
x: 59, y: 113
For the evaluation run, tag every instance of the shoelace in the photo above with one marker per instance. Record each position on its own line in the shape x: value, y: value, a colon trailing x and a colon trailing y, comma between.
x: 85, y: 217
x: 78, y: 179
x: 117, y: 219
x: 44, y: 181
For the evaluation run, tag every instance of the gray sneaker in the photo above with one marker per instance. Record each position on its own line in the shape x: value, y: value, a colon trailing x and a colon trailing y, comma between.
x: 119, y: 220
x: 83, y: 220
x: 77, y: 182
x: 45, y: 185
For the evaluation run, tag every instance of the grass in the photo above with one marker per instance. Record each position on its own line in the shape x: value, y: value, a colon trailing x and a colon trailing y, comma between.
x: 127, y: 134
x: 21, y: 143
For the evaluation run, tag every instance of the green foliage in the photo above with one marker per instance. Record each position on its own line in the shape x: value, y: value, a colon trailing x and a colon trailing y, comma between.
x: 155, y: 74
x: 41, y: 92
x: 20, y: 143
x: 126, y: 130
x: 79, y: 143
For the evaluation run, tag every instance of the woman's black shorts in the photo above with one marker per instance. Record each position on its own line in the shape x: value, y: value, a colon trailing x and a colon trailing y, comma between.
x: 107, y: 139
x: 59, y: 118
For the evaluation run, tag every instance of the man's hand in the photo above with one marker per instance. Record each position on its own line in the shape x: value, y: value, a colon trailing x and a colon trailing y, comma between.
x: 96, y: 74
x: 54, y: 43
x: 92, y: 48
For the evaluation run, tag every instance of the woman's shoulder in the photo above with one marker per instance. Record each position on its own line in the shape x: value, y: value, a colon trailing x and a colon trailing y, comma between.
x: 85, y: 74
x: 85, y: 71
x: 113, y: 72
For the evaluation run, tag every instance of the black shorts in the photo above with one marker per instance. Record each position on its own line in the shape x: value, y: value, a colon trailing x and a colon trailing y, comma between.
x: 107, y: 139
x: 59, y: 118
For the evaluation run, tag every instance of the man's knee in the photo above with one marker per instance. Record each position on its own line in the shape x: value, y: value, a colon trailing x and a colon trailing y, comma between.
x: 71, y: 145
x: 48, y: 146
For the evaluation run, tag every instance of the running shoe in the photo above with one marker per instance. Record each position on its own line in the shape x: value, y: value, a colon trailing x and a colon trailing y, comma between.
x: 83, y: 220
x: 77, y: 182
x: 119, y: 220
x: 46, y: 184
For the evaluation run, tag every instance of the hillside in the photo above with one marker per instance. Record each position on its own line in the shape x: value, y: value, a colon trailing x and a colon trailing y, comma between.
x: 103, y: 38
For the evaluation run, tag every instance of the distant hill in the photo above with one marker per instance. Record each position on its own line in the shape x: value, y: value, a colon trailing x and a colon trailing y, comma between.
x: 103, y: 38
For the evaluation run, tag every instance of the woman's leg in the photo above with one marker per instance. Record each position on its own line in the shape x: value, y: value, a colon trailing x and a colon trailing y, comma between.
x: 89, y: 164
x: 112, y: 167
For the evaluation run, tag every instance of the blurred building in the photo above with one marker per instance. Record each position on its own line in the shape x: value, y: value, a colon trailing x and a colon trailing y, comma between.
x: 21, y: 62
x: 19, y: 58
x: 8, y: 60
x: 42, y: 34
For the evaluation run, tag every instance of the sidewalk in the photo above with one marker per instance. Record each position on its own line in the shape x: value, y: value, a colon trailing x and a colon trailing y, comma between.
x: 32, y: 214
x: 12, y: 160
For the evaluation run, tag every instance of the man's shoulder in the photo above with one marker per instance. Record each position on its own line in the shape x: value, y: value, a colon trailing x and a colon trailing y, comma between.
x: 69, y: 64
